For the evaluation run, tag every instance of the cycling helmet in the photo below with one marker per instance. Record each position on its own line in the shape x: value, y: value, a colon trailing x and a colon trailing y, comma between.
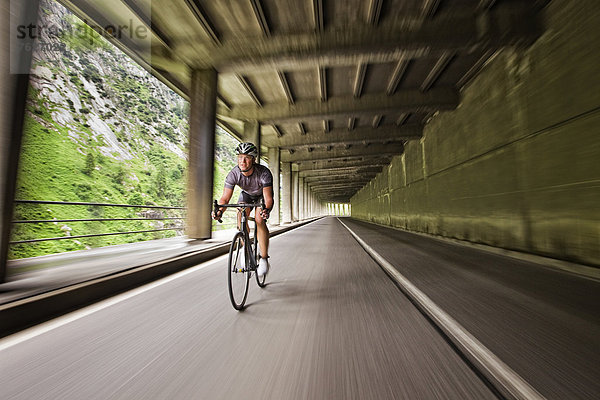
x: 247, y: 148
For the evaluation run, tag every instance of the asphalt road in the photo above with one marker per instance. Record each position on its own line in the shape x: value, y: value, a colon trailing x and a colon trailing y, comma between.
x: 329, y: 325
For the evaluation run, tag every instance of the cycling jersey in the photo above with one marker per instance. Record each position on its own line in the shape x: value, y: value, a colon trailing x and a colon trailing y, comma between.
x: 260, y: 178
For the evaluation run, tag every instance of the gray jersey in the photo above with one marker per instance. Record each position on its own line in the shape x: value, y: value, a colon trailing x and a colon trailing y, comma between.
x: 261, y: 177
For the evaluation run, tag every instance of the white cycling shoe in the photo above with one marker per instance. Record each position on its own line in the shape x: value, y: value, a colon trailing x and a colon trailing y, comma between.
x: 263, y: 267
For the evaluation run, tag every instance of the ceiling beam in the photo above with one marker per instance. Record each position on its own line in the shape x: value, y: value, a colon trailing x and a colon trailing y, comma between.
x: 376, y: 121
x: 337, y: 192
x: 244, y: 82
x: 486, y: 4
x: 437, y: 70
x: 379, y: 160
x: 387, y: 42
x: 359, y: 135
x: 359, y: 79
x: 402, y: 119
x: 429, y: 8
x: 404, y: 101
x: 349, y: 178
x: 229, y: 128
x: 260, y: 17
x: 302, y: 128
x: 286, y: 87
x: 337, y: 187
x: 339, y: 184
x: 485, y: 56
x: 351, y: 123
x: 317, y: 9
x: 340, y: 154
x: 323, y: 83
x: 396, y: 77
x: 200, y: 15
x: 340, y: 170
x: 144, y: 16
x: 374, y: 11
x: 277, y: 130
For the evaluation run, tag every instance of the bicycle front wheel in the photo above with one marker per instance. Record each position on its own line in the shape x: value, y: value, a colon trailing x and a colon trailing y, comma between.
x: 238, y: 272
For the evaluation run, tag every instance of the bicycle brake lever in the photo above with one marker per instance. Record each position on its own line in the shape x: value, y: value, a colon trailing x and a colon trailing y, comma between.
x: 216, y: 205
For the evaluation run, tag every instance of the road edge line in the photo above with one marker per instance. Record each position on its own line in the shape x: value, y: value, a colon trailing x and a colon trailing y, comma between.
x: 500, y: 375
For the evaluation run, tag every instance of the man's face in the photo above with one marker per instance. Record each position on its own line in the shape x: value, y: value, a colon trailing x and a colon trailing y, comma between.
x: 245, y: 162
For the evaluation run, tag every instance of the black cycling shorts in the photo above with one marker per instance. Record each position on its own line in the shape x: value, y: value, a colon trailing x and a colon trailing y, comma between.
x: 248, y: 198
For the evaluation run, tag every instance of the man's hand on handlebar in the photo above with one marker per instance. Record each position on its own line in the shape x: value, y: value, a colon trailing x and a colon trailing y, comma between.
x: 217, y: 211
x: 217, y: 214
x: 264, y: 213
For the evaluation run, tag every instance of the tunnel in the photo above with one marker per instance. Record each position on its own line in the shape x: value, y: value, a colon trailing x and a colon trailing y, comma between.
x: 438, y: 136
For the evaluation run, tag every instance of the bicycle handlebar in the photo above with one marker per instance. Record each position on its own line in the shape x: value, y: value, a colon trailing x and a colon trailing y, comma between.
x: 217, y: 206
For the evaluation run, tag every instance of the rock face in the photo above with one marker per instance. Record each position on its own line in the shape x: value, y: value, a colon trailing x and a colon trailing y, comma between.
x: 99, y: 94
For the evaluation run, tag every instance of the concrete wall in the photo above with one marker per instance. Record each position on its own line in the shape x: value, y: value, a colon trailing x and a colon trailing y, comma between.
x: 517, y: 165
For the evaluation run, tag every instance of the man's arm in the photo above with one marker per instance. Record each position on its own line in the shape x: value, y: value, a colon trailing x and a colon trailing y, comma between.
x: 268, y: 196
x: 225, y: 197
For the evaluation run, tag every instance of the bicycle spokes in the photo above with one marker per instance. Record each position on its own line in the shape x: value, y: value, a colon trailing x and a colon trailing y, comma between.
x: 238, y: 273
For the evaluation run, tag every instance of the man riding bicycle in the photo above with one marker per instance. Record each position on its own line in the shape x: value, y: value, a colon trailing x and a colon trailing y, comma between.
x: 256, y: 182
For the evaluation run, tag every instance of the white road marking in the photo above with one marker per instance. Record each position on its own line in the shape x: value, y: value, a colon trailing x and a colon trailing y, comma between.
x: 40, y: 329
x: 22, y: 336
x: 501, y: 375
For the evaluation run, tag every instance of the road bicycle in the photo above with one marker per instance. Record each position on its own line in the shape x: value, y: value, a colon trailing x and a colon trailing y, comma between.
x: 243, y: 255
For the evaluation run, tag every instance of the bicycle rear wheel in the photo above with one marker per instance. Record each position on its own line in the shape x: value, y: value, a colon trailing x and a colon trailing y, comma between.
x: 260, y: 280
x: 238, y: 273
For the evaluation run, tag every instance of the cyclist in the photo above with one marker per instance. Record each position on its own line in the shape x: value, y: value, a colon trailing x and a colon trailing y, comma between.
x: 256, y: 182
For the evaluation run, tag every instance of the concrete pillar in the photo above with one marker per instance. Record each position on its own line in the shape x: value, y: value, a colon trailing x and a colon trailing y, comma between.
x: 306, y: 197
x: 301, y: 213
x: 296, y: 196
x: 252, y: 134
x: 275, y: 219
x: 14, y: 83
x: 286, y: 192
x: 203, y: 106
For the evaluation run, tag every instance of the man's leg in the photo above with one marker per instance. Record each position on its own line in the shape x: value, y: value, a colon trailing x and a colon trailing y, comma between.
x: 263, y: 236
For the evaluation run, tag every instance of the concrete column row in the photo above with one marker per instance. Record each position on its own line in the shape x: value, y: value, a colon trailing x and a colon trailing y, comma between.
x: 275, y: 168
x: 297, y: 201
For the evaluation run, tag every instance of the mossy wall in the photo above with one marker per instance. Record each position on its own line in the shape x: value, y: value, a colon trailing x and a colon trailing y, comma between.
x: 517, y: 165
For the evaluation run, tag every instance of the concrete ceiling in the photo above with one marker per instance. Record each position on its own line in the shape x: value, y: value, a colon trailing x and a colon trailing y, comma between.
x: 338, y: 85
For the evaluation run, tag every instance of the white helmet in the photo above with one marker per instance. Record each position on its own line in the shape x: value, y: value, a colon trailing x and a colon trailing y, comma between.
x: 247, y: 148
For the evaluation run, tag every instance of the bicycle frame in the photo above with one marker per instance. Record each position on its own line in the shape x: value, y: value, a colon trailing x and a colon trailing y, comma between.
x: 238, y: 275
x: 252, y: 244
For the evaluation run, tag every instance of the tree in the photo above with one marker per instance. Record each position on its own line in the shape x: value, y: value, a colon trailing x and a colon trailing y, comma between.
x: 119, y: 175
x: 161, y: 182
x: 90, y: 164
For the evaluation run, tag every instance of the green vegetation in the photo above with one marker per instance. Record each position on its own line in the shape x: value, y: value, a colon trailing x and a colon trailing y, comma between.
x: 76, y: 161
x: 81, y: 37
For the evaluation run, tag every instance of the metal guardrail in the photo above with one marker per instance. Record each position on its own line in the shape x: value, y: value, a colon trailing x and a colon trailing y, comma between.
x: 95, y: 219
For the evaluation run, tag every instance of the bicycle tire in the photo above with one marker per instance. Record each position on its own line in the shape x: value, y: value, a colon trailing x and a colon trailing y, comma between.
x: 260, y: 280
x: 238, y: 275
